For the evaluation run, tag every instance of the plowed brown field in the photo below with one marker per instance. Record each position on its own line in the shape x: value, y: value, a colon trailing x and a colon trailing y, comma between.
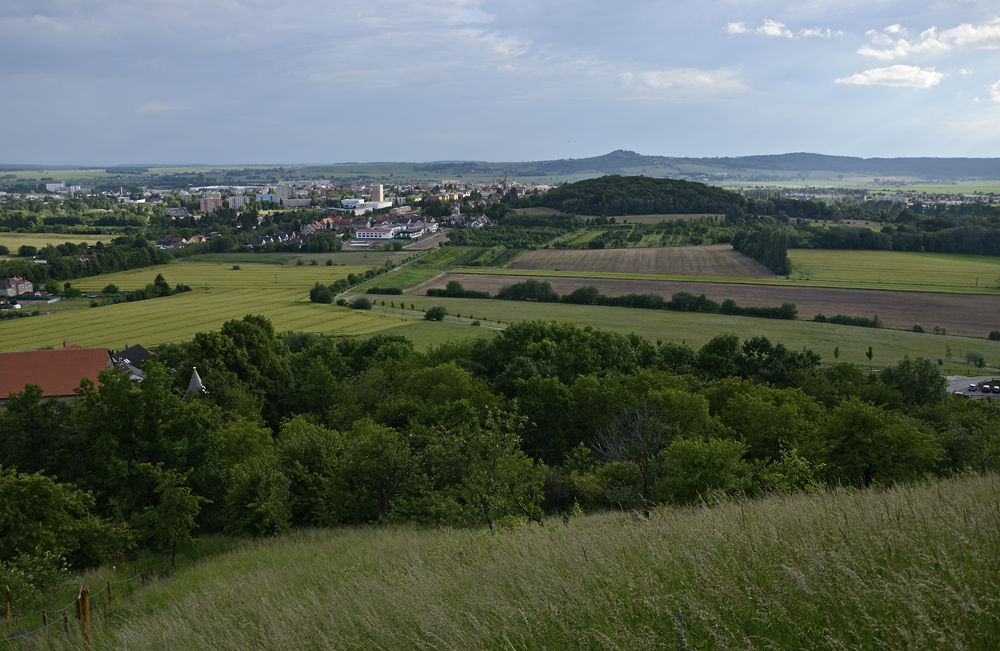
x: 713, y: 260
x: 962, y: 314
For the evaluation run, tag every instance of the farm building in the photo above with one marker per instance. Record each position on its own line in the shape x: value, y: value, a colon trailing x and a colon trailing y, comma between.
x: 56, y: 372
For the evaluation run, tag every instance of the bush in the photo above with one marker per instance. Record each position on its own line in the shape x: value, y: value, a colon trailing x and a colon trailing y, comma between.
x: 994, y: 335
x: 341, y: 301
x: 329, y: 263
x: 389, y: 291
x: 236, y: 267
x: 918, y: 328
x: 940, y: 330
x: 436, y: 313
x: 361, y: 303
x: 320, y: 294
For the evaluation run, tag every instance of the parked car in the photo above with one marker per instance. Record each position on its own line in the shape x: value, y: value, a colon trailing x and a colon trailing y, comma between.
x: 972, y: 387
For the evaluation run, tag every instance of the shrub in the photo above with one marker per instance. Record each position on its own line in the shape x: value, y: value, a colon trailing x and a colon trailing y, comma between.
x: 313, y: 262
x: 341, y: 301
x: 435, y: 313
x: 918, y: 328
x: 320, y: 294
x: 329, y: 263
x: 940, y: 330
x: 389, y: 291
x: 361, y: 303
x: 236, y: 267
x: 994, y: 335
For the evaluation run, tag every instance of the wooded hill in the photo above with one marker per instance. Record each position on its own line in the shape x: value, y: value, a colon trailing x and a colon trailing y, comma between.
x: 638, y: 195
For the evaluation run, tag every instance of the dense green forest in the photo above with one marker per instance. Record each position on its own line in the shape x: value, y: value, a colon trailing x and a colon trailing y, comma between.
x: 299, y: 430
x: 637, y: 195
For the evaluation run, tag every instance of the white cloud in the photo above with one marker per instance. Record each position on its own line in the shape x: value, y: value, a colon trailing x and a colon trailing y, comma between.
x: 721, y: 80
x: 888, y: 48
x: 995, y: 92
x: 982, y: 36
x: 963, y: 71
x: 769, y: 28
x: 774, y: 28
x: 898, y: 76
x: 885, y: 47
x: 816, y: 32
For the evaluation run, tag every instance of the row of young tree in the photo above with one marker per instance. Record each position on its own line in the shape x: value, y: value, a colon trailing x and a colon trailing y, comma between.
x: 301, y: 430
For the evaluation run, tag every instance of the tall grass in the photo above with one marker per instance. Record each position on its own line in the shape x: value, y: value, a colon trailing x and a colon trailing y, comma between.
x: 913, y: 567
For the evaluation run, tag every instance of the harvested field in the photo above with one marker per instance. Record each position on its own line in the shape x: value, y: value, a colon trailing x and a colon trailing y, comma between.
x: 428, y: 242
x: 962, y: 314
x: 538, y: 211
x: 713, y: 260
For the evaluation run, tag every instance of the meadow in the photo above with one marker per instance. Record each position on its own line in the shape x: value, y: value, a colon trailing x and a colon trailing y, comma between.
x: 897, y: 270
x: 219, y: 293
x: 911, y: 567
x: 14, y: 241
x: 889, y: 346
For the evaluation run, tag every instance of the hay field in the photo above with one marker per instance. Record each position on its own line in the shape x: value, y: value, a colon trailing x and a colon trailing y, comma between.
x: 962, y: 314
x: 712, y: 260
x: 13, y: 241
x: 898, y: 269
x: 219, y: 293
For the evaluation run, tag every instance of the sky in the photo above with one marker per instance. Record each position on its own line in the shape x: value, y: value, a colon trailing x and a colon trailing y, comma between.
x: 111, y: 82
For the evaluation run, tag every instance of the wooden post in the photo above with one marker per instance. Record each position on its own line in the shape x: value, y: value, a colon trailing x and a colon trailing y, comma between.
x: 142, y: 576
x: 6, y: 598
x: 66, y: 622
x: 109, y: 592
x: 45, y: 619
x: 85, y: 611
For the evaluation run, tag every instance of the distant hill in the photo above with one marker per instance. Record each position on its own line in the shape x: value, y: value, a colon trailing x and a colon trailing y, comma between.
x: 638, y: 195
x: 630, y: 163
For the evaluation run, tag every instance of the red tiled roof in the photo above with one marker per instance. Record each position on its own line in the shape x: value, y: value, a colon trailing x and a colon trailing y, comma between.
x: 57, y: 371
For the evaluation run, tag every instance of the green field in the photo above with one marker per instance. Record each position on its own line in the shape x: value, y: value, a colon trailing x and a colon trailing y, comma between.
x: 39, y: 240
x: 889, y: 346
x: 911, y: 567
x: 888, y: 270
x: 220, y: 293
x: 355, y: 258
x: 897, y: 270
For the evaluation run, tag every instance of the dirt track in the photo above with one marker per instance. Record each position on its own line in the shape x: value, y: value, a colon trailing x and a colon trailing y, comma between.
x: 962, y: 314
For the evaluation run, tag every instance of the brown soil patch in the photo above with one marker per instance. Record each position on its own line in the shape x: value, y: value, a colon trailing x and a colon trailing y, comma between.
x: 538, y: 211
x: 713, y: 260
x: 428, y: 242
x: 961, y: 314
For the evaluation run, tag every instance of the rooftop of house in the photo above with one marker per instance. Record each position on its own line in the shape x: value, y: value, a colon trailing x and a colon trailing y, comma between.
x: 57, y: 372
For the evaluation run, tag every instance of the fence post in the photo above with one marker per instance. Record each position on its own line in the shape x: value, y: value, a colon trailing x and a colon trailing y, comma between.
x: 6, y: 598
x: 85, y: 611
x: 109, y: 592
x: 45, y: 619
x: 66, y: 622
x: 142, y: 574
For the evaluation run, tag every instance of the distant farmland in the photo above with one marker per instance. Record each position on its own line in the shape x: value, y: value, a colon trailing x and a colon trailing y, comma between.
x: 713, y: 260
x: 963, y: 314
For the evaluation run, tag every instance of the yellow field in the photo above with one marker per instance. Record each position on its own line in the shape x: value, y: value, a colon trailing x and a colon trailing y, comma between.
x: 896, y: 270
x: 219, y: 293
x: 38, y: 240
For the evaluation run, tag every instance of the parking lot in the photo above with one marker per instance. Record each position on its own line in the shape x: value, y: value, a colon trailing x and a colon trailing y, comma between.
x: 958, y: 384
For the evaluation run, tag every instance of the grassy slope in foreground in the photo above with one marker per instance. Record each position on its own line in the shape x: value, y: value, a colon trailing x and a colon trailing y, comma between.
x: 908, y: 568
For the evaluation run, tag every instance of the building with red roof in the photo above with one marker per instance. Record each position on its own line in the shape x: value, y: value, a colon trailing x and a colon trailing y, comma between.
x: 57, y: 372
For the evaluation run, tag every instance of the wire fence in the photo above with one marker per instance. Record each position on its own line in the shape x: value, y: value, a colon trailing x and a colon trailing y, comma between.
x: 82, y: 603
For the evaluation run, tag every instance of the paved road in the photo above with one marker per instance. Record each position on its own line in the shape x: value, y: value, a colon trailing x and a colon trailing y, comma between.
x: 960, y: 384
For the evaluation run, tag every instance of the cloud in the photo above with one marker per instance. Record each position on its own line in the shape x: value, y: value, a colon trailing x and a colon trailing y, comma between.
x: 898, y: 76
x: 888, y: 48
x: 769, y: 28
x: 981, y: 37
x: 885, y: 47
x: 774, y: 28
x: 963, y: 71
x: 721, y: 80
x: 995, y: 92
